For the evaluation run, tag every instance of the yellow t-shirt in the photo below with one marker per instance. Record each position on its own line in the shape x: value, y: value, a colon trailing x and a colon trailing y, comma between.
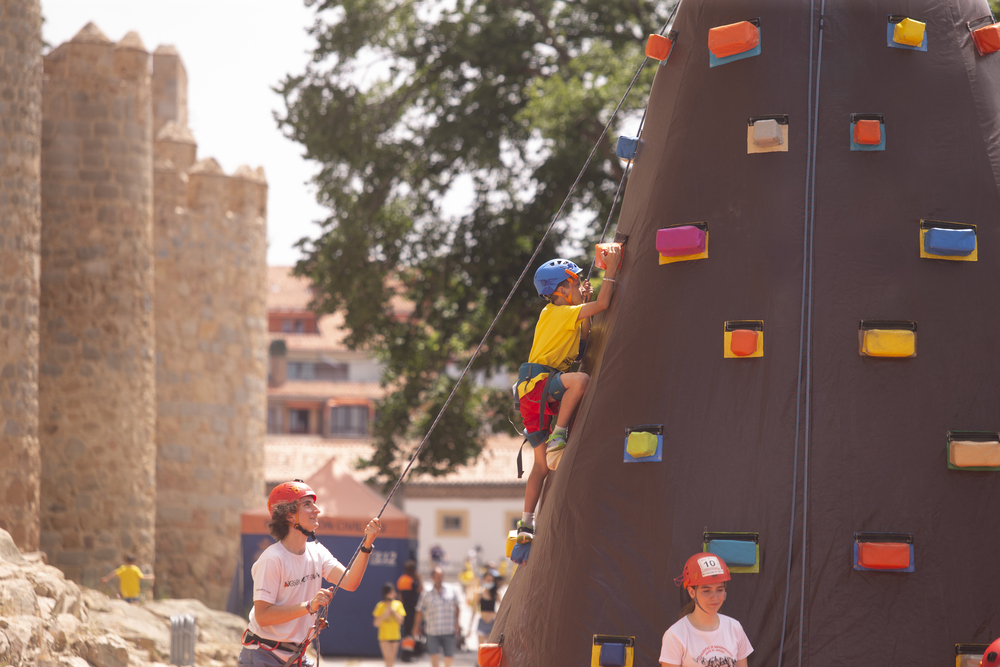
x: 556, y: 343
x: 129, y: 577
x: 389, y: 630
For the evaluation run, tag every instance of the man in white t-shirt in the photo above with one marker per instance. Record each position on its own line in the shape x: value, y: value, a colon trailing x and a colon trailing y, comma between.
x: 287, y: 579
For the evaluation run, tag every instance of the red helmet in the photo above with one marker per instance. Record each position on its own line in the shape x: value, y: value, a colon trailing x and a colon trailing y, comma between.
x: 992, y: 656
x: 703, y: 568
x: 287, y: 492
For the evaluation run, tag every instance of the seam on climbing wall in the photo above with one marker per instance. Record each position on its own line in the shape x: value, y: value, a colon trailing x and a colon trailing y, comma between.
x: 988, y: 123
x: 808, y: 342
x: 802, y: 335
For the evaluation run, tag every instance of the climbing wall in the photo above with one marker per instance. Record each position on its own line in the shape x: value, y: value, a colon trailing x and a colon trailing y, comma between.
x: 811, y: 341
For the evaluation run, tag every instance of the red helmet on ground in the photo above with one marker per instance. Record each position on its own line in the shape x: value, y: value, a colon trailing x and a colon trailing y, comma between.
x: 992, y: 656
x: 703, y: 568
x: 288, y: 492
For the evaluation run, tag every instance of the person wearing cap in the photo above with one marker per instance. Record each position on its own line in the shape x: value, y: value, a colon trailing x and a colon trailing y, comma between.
x: 287, y: 579
x: 544, y: 387
x: 703, y: 637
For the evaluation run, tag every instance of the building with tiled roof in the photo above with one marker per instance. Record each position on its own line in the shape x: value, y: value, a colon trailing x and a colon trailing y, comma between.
x: 321, y: 400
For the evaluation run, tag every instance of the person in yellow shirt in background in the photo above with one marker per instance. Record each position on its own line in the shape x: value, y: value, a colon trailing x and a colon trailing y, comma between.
x: 545, y: 388
x: 389, y: 614
x: 129, y: 577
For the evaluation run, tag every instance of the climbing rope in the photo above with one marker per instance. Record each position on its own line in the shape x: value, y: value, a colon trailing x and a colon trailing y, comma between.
x: 805, y: 335
x: 638, y: 135
x: 321, y: 615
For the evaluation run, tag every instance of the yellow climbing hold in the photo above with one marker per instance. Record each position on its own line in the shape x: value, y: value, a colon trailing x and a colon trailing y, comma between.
x: 909, y: 32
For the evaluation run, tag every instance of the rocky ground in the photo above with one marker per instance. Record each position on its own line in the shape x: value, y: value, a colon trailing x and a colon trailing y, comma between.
x: 47, y: 621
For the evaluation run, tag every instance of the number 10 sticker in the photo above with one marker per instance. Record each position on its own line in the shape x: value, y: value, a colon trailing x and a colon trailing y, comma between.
x: 710, y: 566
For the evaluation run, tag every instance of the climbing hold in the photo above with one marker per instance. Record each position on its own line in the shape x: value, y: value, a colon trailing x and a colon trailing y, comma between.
x: 658, y: 47
x: 906, y: 33
x: 867, y: 132
x: 767, y: 134
x: 985, y: 35
x: 511, y: 541
x: 886, y: 552
x: 644, y: 444
x: 974, y: 450
x: 679, y: 243
x: 743, y: 338
x: 740, y: 551
x: 948, y: 240
x: 887, y: 338
x: 735, y: 41
x: 969, y: 655
x: 728, y: 40
x: 612, y: 651
x: 626, y: 147
x: 519, y: 554
x: 599, y: 254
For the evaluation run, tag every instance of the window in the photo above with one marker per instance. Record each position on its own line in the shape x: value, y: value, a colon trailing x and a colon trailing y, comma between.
x: 298, y: 421
x: 301, y: 370
x: 286, y: 326
x: 349, y: 420
x: 332, y: 372
x: 274, y: 419
x: 300, y: 326
x: 453, y: 523
x: 510, y: 521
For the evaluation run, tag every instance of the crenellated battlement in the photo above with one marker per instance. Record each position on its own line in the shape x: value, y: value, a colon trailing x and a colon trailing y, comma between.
x: 134, y: 297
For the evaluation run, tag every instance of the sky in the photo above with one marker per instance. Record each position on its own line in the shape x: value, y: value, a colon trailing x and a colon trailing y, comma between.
x: 234, y: 52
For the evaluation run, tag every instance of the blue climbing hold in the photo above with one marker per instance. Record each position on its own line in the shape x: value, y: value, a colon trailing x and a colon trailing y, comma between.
x: 949, y: 242
x: 626, y: 147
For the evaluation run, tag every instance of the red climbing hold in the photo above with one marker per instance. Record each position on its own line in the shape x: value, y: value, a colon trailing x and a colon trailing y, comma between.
x: 658, y: 47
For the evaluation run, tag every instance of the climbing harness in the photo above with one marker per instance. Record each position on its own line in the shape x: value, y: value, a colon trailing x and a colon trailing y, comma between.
x: 321, y: 615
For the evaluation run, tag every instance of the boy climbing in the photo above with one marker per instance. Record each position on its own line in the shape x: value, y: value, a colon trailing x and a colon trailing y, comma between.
x: 544, y: 387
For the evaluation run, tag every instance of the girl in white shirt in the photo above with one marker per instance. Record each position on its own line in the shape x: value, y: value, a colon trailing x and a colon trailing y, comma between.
x: 704, y: 637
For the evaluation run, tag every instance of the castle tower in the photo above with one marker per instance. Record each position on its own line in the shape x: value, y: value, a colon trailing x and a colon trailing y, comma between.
x: 816, y: 382
x: 20, y: 222
x: 96, y: 382
x: 211, y: 314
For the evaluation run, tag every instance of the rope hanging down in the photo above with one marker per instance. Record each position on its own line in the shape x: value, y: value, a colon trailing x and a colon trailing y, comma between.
x: 638, y: 135
x: 322, y: 614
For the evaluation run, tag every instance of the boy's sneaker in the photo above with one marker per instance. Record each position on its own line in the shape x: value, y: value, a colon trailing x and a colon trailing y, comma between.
x: 554, y: 448
x: 525, y: 533
x: 556, y: 442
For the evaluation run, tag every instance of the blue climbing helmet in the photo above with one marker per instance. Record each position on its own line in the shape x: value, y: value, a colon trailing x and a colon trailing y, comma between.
x: 551, y: 273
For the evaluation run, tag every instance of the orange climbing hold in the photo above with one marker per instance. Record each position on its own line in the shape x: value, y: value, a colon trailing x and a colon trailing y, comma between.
x: 868, y: 132
x: 987, y: 39
x: 599, y: 254
x: 743, y: 342
x: 658, y: 47
x: 884, y: 555
x: 728, y: 40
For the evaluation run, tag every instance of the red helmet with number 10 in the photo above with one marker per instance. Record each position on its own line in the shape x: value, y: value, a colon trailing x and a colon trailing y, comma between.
x: 288, y: 492
x: 703, y: 568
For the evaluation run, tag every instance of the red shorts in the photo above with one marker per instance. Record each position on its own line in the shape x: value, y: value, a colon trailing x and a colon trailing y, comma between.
x: 530, y: 414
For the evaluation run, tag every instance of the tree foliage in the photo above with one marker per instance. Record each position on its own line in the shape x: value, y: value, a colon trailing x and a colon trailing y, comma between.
x: 492, y: 102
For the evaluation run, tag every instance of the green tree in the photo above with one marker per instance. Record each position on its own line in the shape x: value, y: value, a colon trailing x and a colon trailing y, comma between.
x: 995, y: 7
x: 496, y: 101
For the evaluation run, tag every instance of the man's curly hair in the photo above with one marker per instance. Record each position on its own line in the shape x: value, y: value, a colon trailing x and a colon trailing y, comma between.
x: 278, y: 525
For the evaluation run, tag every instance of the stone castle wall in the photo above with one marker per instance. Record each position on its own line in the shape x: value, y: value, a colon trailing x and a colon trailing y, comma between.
x: 211, y: 314
x: 20, y: 227
x: 133, y: 344
x: 96, y: 370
